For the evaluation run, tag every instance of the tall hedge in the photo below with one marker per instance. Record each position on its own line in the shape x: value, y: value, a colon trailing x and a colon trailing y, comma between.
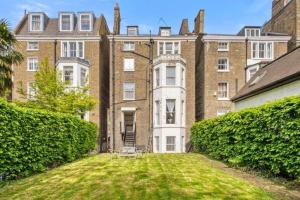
x: 32, y: 140
x: 265, y: 138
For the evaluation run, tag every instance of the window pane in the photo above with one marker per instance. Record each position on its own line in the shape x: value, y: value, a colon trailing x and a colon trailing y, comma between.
x: 222, y: 90
x: 223, y: 64
x: 128, y: 64
x: 68, y: 75
x: 157, y: 113
x: 72, y: 49
x: 80, y: 50
x: 262, y: 50
x: 169, y: 47
x: 157, y: 76
x: 128, y: 46
x: 170, y: 144
x: 32, y: 64
x: 33, y: 46
x: 161, y: 48
x: 85, y: 22
x: 176, y: 48
x: 36, y: 22
x: 171, y: 75
x: 170, y: 111
x: 83, y: 77
x: 66, y: 22
x: 129, y: 91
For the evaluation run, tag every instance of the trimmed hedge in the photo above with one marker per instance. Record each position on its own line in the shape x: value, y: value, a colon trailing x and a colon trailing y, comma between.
x: 33, y: 140
x: 266, y: 138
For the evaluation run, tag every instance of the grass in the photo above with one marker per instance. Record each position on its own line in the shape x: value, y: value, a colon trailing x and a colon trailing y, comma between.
x: 171, y: 176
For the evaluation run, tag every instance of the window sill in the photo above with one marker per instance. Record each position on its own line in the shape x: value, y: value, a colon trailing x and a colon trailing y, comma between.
x: 32, y: 49
x: 32, y: 70
x: 223, y: 50
x: 129, y: 70
x: 223, y: 99
x: 128, y: 99
x: 124, y: 50
x: 224, y: 71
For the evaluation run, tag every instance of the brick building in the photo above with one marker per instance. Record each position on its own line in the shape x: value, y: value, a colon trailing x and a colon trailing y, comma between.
x: 152, y: 87
x: 285, y: 19
x: 77, y: 45
x: 225, y: 62
x: 152, y: 84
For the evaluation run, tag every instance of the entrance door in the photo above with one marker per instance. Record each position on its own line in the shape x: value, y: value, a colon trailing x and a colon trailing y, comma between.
x: 129, y: 121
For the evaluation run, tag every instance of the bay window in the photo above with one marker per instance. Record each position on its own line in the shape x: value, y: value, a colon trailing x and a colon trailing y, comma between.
x: 157, y: 112
x: 83, y: 77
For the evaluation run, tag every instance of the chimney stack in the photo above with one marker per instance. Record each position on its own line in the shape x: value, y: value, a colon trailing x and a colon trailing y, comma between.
x: 184, y: 29
x: 199, y: 23
x: 117, y: 20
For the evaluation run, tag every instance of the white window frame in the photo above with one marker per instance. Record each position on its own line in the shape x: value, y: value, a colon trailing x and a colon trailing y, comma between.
x: 157, y: 145
x: 28, y: 46
x: 73, y: 75
x: 29, y: 88
x: 68, y: 49
x: 158, y: 112
x: 135, y: 29
x: 126, y: 69
x: 91, y: 21
x: 157, y: 77
x: 164, y: 47
x: 165, y: 32
x: 130, y: 45
x: 173, y: 145
x: 223, y: 49
x: 223, y: 98
x: 71, y: 15
x: 257, y: 52
x: 252, y: 29
x: 174, y: 78
x: 124, y: 92
x: 222, y: 111
x: 28, y: 64
x: 223, y: 70
x: 85, y: 81
x: 41, y: 22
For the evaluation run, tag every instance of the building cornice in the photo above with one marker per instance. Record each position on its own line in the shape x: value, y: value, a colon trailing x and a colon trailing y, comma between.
x: 236, y: 38
x: 52, y: 38
x: 147, y: 38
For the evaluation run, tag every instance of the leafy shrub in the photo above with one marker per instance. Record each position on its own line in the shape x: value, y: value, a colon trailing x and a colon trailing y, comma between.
x: 266, y: 138
x: 33, y: 140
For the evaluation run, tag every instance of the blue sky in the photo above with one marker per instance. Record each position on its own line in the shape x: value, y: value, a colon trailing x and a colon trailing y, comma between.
x: 222, y: 16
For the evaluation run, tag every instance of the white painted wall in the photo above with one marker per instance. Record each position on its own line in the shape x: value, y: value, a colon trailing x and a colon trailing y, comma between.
x: 162, y: 93
x: 287, y: 90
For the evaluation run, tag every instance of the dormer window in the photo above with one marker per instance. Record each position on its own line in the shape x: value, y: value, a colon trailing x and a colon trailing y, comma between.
x: 252, y: 32
x: 132, y: 30
x: 36, y: 22
x: 165, y: 31
x: 66, y: 22
x: 85, y: 22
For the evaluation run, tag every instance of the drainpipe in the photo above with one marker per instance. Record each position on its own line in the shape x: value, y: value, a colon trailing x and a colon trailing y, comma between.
x: 113, y: 92
x: 55, y: 46
x: 151, y: 90
x: 247, y: 40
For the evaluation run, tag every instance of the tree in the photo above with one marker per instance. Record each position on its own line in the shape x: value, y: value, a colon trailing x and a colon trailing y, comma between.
x: 8, y: 57
x: 49, y: 92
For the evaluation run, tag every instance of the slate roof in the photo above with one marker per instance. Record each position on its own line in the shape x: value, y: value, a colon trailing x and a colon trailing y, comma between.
x: 283, y: 70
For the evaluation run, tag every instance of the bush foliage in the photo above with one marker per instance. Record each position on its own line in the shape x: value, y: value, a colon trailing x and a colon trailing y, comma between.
x: 266, y: 138
x: 33, y: 140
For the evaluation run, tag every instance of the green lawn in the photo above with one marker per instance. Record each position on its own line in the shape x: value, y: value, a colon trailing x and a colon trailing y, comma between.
x: 183, y: 176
